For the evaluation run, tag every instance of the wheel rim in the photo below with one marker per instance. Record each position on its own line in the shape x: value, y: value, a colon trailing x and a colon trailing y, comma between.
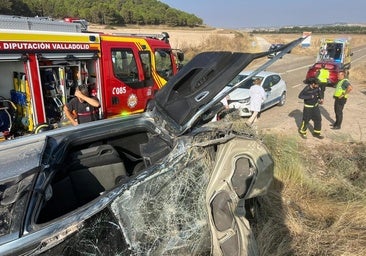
x: 283, y: 99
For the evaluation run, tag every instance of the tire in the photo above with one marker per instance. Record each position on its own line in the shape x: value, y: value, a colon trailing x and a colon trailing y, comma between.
x: 282, y: 100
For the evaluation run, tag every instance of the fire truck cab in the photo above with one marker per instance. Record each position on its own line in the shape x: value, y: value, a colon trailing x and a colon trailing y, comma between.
x: 40, y: 71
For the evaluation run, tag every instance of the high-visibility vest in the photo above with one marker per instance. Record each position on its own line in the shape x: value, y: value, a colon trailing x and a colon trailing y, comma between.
x: 323, y: 75
x: 339, y: 89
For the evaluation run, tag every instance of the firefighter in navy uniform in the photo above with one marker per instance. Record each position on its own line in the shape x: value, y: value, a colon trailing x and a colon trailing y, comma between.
x: 82, y: 108
x: 312, y: 96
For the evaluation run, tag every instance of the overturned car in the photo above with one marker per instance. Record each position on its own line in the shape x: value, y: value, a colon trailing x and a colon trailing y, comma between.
x: 164, y: 182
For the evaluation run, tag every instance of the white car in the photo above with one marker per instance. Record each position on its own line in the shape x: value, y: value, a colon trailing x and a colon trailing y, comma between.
x: 272, y: 83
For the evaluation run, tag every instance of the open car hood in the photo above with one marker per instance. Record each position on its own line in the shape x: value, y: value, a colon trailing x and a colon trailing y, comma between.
x: 191, y: 96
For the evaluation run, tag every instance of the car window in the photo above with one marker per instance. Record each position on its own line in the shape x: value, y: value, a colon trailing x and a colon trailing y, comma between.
x: 271, y: 81
x: 124, y: 65
x: 163, y: 63
x: 239, y: 78
x: 275, y: 79
x: 14, y: 196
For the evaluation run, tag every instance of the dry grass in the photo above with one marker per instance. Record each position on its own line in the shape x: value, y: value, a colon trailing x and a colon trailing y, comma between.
x: 221, y: 41
x: 317, y: 203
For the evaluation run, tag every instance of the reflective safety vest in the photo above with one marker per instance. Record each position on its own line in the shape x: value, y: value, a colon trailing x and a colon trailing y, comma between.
x: 339, y: 90
x: 323, y: 75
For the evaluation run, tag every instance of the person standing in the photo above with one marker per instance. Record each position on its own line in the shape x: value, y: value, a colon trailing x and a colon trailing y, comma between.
x: 323, y: 77
x: 82, y: 108
x: 257, y: 96
x: 343, y: 88
x: 311, y: 94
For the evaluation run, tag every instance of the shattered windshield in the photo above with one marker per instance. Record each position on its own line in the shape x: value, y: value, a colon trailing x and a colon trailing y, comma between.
x: 166, y: 214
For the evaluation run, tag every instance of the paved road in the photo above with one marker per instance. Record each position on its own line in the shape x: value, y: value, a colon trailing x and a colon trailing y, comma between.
x: 286, y: 119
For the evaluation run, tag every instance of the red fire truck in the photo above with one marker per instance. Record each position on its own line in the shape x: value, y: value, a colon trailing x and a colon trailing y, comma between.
x: 40, y: 71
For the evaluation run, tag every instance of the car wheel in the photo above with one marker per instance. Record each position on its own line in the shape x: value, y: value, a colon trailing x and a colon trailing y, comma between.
x: 282, y: 100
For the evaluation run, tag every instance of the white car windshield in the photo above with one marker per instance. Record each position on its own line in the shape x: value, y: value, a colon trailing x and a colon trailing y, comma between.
x: 245, y: 85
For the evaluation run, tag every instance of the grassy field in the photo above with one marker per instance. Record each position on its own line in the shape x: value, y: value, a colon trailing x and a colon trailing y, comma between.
x: 317, y: 204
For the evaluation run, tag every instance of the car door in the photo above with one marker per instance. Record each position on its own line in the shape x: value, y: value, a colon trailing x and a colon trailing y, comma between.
x: 20, y: 166
x: 273, y: 89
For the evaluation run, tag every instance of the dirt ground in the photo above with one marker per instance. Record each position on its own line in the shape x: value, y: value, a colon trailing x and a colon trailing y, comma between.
x: 353, y: 126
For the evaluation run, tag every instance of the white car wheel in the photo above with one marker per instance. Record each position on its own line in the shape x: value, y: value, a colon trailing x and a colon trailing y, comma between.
x: 282, y: 100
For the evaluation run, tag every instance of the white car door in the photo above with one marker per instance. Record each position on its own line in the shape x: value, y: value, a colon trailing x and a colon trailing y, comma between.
x: 273, y: 90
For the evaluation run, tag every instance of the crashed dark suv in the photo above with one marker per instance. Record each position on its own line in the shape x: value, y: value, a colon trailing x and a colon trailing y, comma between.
x: 163, y: 182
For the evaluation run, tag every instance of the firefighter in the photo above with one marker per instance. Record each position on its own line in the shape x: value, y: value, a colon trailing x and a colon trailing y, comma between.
x: 343, y: 88
x: 323, y: 77
x: 311, y: 94
x: 82, y: 108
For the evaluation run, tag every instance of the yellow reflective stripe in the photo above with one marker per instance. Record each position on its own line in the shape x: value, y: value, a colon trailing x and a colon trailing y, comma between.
x: 310, y: 106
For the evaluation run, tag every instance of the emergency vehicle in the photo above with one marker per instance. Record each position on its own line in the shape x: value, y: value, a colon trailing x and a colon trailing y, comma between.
x: 334, y: 55
x: 40, y: 71
x: 84, y: 23
x: 335, y: 50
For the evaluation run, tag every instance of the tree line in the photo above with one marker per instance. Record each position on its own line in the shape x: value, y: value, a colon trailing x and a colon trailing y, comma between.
x: 107, y: 12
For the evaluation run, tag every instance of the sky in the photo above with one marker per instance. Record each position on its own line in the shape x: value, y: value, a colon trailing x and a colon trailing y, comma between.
x: 272, y: 13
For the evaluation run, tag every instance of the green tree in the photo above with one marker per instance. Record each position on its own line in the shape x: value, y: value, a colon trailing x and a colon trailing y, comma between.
x: 107, y: 12
x: 172, y: 17
x: 14, y: 7
x: 6, y: 7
